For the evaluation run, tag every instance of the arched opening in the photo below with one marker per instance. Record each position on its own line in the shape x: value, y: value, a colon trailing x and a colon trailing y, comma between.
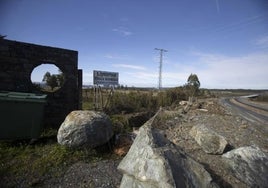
x: 47, y: 77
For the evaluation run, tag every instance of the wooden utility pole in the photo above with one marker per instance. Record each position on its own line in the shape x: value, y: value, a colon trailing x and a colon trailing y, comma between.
x: 160, y: 67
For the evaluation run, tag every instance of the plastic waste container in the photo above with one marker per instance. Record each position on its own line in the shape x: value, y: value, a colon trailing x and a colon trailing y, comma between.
x: 21, y: 115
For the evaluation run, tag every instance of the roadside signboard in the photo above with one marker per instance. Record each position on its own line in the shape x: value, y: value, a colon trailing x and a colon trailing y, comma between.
x: 105, y: 78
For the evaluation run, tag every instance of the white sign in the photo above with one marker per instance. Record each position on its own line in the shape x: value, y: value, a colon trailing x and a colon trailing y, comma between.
x: 105, y: 78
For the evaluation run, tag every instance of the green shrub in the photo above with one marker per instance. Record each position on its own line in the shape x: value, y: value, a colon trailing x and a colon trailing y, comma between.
x: 130, y: 101
x: 137, y: 101
x: 120, y: 123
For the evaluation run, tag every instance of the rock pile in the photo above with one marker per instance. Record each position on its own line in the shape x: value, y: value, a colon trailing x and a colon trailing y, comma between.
x: 197, y: 159
x: 153, y: 161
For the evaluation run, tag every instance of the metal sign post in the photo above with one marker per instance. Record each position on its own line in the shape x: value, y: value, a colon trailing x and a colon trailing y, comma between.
x: 105, y: 79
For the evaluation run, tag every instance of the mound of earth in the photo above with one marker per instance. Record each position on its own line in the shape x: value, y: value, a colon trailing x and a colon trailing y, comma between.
x: 208, y: 112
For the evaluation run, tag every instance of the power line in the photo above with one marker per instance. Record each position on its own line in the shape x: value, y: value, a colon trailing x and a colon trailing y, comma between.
x: 160, y: 67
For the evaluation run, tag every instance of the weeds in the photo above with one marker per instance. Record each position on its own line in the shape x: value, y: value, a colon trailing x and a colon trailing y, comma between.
x: 135, y: 101
x: 46, y: 157
x: 125, y: 102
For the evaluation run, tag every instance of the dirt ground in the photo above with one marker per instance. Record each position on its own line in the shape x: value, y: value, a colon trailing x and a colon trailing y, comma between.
x: 103, y: 174
x: 209, y: 112
x: 237, y: 131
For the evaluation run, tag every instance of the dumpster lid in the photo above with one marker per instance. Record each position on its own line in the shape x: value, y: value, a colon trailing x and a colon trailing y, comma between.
x: 21, y: 95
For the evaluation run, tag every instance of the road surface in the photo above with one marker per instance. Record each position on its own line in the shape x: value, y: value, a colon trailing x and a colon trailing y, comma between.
x: 254, y: 112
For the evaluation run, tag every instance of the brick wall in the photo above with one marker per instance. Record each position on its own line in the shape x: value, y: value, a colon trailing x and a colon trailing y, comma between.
x: 17, y: 61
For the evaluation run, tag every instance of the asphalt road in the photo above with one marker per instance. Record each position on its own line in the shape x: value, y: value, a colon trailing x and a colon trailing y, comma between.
x: 256, y: 113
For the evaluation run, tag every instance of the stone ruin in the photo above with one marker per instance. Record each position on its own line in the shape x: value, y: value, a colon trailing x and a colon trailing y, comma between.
x: 19, y: 59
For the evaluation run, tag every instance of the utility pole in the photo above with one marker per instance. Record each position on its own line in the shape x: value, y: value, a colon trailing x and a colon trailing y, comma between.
x: 160, y: 67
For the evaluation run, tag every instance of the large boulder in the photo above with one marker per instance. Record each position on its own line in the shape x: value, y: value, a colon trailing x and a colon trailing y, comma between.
x: 153, y: 161
x: 85, y: 128
x: 210, y: 141
x: 249, y: 164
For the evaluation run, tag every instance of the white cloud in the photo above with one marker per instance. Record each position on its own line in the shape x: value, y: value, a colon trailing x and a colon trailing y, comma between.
x: 124, y: 19
x: 214, y: 71
x: 123, y: 31
x: 114, y: 56
x: 87, y: 78
x: 150, y: 78
x: 139, y: 78
x: 218, y: 6
x: 217, y: 71
x: 262, y: 42
x: 129, y: 66
x: 143, y: 75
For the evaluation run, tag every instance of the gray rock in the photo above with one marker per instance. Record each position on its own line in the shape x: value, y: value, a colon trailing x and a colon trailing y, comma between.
x: 88, y: 128
x: 210, y: 141
x: 183, y: 103
x: 249, y: 164
x: 153, y: 161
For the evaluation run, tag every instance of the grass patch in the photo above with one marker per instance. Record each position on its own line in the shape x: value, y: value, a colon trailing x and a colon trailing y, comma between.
x: 130, y: 101
x: 20, y: 160
x: 120, y: 124
x: 44, y: 158
x: 87, y: 105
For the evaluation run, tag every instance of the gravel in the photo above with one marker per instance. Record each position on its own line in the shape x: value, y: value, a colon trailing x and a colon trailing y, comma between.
x: 103, y: 174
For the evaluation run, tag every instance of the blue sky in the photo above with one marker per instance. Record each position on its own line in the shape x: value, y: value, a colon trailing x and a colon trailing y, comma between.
x: 224, y: 42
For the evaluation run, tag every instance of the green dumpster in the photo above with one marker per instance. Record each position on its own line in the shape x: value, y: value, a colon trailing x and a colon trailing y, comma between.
x: 21, y: 115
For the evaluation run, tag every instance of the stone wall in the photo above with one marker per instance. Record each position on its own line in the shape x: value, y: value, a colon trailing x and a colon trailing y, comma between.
x: 18, y: 60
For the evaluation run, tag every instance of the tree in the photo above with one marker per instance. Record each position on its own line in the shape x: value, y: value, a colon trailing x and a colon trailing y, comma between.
x: 54, y: 80
x: 2, y: 36
x: 46, y: 77
x: 60, y: 78
x: 192, y: 86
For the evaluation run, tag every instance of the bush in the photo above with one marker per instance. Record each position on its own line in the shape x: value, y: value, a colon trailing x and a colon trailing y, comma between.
x: 136, y: 101
x: 176, y: 94
x: 123, y: 102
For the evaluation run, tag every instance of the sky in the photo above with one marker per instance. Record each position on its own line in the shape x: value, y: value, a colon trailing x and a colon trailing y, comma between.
x: 224, y: 42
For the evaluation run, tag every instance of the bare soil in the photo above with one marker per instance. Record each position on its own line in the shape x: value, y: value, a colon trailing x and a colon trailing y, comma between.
x: 176, y: 126
x: 102, y: 174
